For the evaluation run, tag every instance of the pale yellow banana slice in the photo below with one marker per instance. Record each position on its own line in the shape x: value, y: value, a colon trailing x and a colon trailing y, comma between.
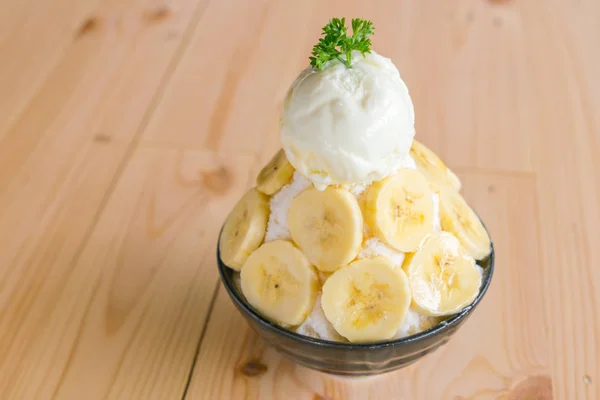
x: 244, y: 229
x: 432, y: 166
x: 458, y: 218
x: 399, y: 209
x: 279, y: 281
x: 443, y: 278
x: 327, y: 225
x: 275, y: 174
x: 367, y: 301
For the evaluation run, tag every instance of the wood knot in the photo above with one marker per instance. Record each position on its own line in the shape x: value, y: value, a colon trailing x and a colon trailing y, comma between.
x: 498, y: 2
x: 470, y: 16
x: 317, y: 396
x: 253, y: 368
x: 533, y: 388
x: 88, y: 26
x: 102, y: 138
x: 158, y: 14
x: 217, y: 181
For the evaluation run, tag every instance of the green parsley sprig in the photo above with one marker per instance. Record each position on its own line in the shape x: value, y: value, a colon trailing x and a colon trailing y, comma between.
x: 337, y: 45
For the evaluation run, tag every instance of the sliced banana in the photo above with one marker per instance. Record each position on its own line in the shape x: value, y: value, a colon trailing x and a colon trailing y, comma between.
x: 432, y: 166
x: 327, y: 225
x: 244, y: 229
x: 279, y: 281
x: 277, y: 173
x: 367, y: 301
x: 458, y: 218
x: 443, y: 278
x: 399, y: 209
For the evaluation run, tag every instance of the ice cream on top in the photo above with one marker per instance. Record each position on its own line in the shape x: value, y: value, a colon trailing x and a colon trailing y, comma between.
x: 343, y: 125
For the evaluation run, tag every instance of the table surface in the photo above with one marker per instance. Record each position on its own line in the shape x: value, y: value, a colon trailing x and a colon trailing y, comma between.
x: 129, y: 128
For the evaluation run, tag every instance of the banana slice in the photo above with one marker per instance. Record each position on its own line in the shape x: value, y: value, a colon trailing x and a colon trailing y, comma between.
x: 432, y: 167
x: 244, y: 229
x: 275, y: 174
x: 327, y: 225
x: 367, y: 301
x: 458, y: 218
x: 399, y: 209
x: 279, y: 281
x: 443, y: 278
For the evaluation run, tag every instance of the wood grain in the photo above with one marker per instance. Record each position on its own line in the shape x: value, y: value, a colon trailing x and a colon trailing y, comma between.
x: 144, y: 282
x: 129, y: 128
x: 33, y: 52
x: 233, y: 107
x: 59, y: 158
x: 569, y: 182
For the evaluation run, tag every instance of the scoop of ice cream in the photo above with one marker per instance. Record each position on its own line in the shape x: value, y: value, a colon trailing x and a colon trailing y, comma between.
x: 348, y: 125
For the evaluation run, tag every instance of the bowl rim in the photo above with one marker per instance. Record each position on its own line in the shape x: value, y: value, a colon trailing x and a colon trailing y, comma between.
x: 440, y: 328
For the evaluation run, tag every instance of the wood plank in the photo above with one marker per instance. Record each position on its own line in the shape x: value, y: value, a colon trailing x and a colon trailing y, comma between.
x: 471, y: 94
x: 501, y: 350
x: 28, y: 54
x: 58, y: 161
x: 234, y: 106
x: 128, y: 322
x: 568, y: 149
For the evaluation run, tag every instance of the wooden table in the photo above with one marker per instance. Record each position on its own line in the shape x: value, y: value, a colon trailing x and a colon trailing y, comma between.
x: 129, y: 128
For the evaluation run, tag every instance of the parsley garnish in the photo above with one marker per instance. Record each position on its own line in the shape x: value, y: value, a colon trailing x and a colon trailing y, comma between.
x: 336, y: 45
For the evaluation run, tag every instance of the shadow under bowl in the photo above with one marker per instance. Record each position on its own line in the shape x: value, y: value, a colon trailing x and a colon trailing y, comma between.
x: 352, y: 359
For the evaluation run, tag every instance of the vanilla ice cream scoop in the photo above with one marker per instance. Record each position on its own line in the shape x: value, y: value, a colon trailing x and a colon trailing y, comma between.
x: 344, y: 125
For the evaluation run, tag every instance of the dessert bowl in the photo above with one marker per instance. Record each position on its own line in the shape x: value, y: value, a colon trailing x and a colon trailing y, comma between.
x: 355, y: 253
x: 352, y: 359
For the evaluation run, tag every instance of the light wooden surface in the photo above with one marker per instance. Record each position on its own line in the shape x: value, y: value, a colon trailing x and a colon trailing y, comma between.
x: 128, y: 129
